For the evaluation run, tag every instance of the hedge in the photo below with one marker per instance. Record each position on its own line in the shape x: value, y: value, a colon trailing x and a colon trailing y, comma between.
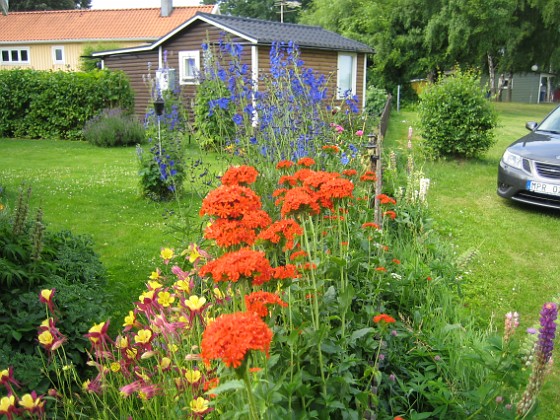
x: 47, y: 104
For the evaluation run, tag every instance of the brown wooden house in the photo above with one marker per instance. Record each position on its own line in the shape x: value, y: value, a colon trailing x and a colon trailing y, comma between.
x: 341, y: 60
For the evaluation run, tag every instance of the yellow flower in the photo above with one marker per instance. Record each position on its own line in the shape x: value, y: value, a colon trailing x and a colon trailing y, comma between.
x: 96, y: 329
x: 173, y: 348
x: 155, y: 274
x: 200, y: 405
x: 166, y: 254
x: 85, y: 384
x: 194, y: 254
x: 218, y: 293
x: 1, y: 206
x: 46, y: 338
x: 121, y: 342
x: 146, y: 295
x: 183, y: 286
x: 115, y: 367
x: 165, y: 299
x: 165, y: 363
x: 131, y: 352
x: 46, y: 294
x: 194, y: 303
x: 46, y: 322
x: 4, y: 374
x: 7, y: 402
x: 193, y: 376
x: 29, y: 403
x: 130, y: 319
x: 143, y: 336
x: 153, y: 284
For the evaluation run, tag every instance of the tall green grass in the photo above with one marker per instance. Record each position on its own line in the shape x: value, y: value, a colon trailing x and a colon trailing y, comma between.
x: 516, y: 247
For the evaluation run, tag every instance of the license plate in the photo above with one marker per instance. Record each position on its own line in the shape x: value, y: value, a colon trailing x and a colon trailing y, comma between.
x: 543, y: 188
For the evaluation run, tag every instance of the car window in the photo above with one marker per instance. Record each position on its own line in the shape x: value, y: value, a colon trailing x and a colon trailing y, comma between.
x: 552, y: 122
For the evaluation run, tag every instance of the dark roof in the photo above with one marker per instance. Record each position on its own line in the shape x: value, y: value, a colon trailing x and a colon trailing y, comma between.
x: 260, y: 32
x: 267, y: 32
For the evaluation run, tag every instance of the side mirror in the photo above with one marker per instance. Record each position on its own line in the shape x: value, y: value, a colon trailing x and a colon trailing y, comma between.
x: 531, y: 125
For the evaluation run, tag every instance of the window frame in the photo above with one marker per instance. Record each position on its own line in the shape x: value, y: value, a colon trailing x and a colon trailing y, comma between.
x: 353, y: 75
x: 54, y: 49
x: 193, y: 80
x: 10, y: 51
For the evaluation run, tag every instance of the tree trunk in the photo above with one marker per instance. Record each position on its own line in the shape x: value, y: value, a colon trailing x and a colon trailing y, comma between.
x: 491, y: 74
x: 510, y: 86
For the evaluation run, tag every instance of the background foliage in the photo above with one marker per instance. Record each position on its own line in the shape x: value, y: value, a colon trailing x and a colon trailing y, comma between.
x: 46, y: 104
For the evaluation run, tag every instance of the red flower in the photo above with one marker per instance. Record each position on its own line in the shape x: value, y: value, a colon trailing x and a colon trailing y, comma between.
x: 380, y: 269
x: 286, y: 229
x: 284, y: 164
x: 299, y: 200
x: 391, y: 214
x: 396, y: 261
x: 231, y: 336
x: 306, y: 161
x: 298, y: 254
x: 384, y: 318
x: 315, y: 180
x: 240, y: 175
x: 284, y: 272
x: 234, y: 266
x: 230, y: 201
x: 228, y: 232
x: 385, y: 199
x: 349, y: 172
x: 371, y: 225
x: 256, y: 302
x: 288, y: 179
x: 369, y: 176
x: 337, y: 188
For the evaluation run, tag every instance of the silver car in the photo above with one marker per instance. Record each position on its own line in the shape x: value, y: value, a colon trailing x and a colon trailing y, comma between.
x: 529, y: 170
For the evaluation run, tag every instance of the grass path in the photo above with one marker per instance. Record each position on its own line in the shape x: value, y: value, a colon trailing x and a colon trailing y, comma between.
x: 517, y: 264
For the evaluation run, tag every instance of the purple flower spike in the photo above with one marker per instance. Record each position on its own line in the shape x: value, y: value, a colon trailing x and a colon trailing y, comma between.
x: 547, y: 331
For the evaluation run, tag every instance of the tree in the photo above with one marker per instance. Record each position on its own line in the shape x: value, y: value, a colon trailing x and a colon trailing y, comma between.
x: 261, y: 9
x: 32, y: 5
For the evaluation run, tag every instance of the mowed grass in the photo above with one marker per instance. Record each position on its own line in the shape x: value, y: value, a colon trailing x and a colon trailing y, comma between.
x: 95, y: 191
x: 516, y: 266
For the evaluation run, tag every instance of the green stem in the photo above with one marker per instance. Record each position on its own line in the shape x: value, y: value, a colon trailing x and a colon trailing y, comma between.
x: 253, y: 413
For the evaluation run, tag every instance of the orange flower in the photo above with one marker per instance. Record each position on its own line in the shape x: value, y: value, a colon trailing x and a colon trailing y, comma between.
x: 286, y: 229
x: 349, y: 172
x: 369, y: 176
x: 284, y: 164
x: 385, y: 199
x: 299, y: 200
x: 371, y: 225
x: 331, y: 148
x: 384, y: 318
x: 240, y: 175
x: 256, y: 302
x: 306, y: 161
x: 227, y: 232
x: 231, y: 336
x: 298, y: 254
x: 396, y: 261
x: 284, y: 272
x: 337, y: 188
x: 391, y: 214
x: 245, y: 263
x: 230, y: 201
x: 380, y: 269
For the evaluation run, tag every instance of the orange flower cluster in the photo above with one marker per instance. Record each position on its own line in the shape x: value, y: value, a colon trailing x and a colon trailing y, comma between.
x: 256, y: 302
x: 285, y: 229
x: 306, y: 161
x: 229, y: 232
x: 240, y: 175
x: 230, y: 201
x: 369, y: 176
x: 390, y: 214
x: 311, y: 191
x: 233, y: 266
x: 384, y: 318
x: 231, y: 336
x: 331, y: 148
x: 284, y: 164
x: 385, y: 199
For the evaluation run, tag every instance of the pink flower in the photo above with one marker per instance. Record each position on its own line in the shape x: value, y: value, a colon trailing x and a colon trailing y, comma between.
x: 338, y: 128
x: 360, y: 133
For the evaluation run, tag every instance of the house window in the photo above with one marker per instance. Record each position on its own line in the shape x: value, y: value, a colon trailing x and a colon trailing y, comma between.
x: 15, y: 56
x: 189, y: 66
x: 58, y: 55
x: 346, y: 77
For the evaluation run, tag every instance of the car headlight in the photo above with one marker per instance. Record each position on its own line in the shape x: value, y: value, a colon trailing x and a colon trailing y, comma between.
x: 513, y: 160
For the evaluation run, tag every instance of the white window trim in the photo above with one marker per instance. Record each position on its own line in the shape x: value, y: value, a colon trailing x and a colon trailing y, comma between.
x: 15, y: 63
x: 58, y: 47
x: 339, y: 92
x: 182, y: 56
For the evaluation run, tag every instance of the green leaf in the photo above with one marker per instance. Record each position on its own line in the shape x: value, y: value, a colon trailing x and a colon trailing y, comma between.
x: 227, y: 386
x: 360, y: 333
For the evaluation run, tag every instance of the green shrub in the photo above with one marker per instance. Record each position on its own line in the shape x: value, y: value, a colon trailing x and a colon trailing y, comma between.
x: 375, y: 100
x: 32, y: 259
x: 47, y: 104
x: 456, y: 119
x: 88, y: 63
x: 114, y: 128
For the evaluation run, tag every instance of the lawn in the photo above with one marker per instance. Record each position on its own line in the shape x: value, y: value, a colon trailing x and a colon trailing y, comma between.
x: 94, y: 191
x: 515, y: 267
